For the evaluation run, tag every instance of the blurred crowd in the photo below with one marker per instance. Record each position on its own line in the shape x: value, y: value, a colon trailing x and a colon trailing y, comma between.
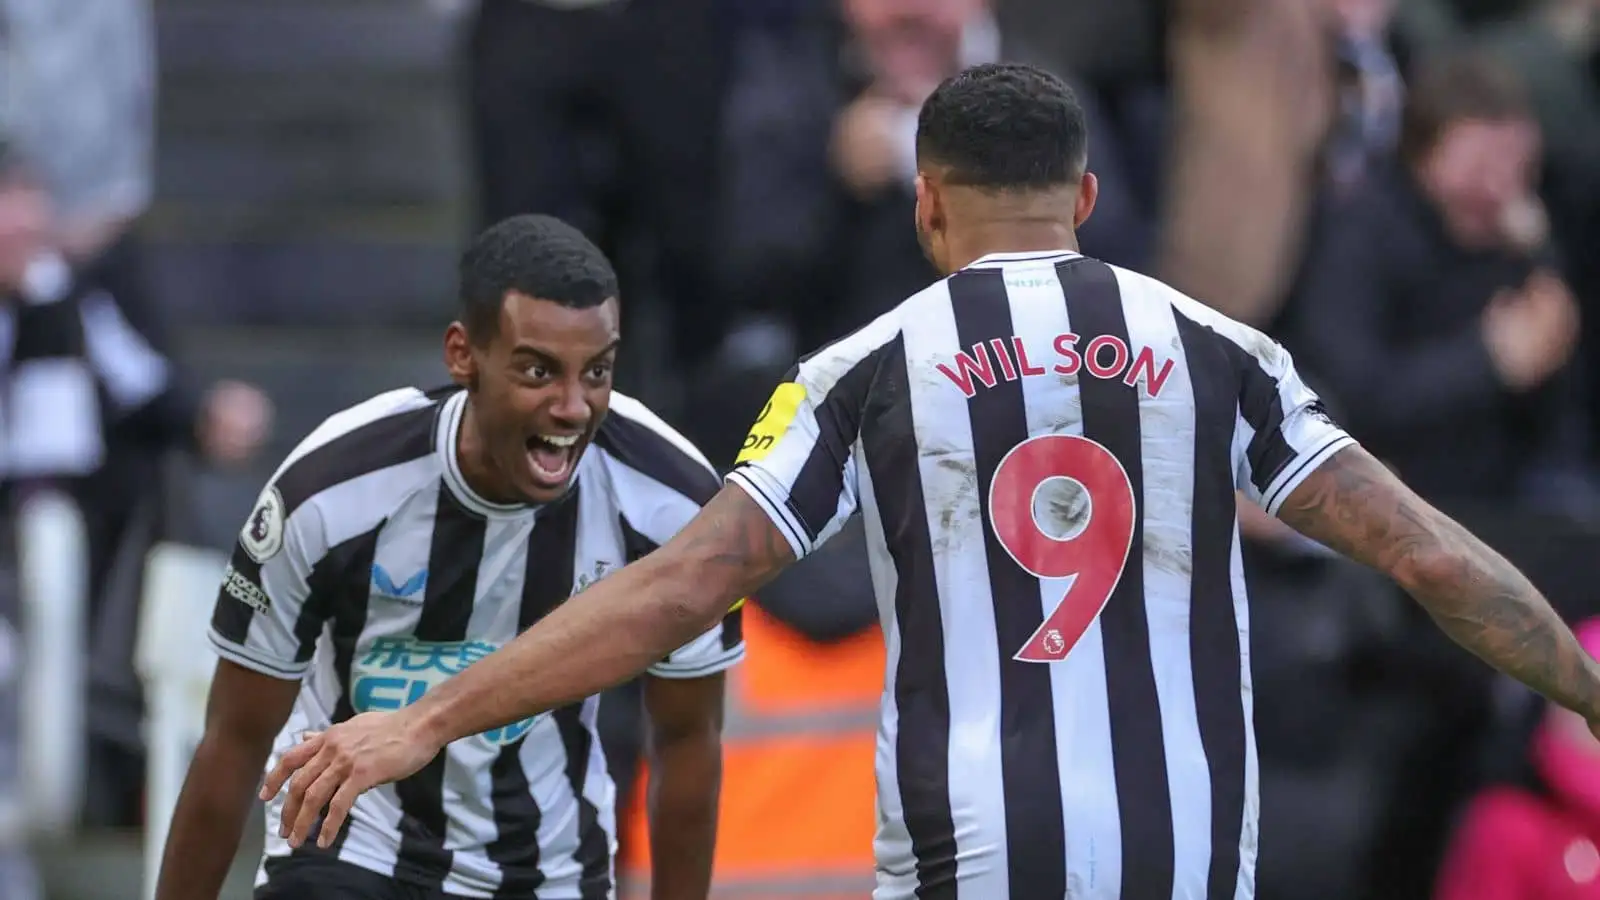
x: 1406, y: 193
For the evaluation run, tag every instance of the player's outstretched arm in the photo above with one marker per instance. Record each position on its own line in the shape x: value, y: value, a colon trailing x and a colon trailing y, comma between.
x: 1354, y: 505
x: 624, y: 624
x: 245, y: 711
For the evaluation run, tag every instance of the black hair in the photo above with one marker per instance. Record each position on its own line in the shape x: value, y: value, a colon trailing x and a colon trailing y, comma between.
x: 1004, y: 126
x: 535, y: 255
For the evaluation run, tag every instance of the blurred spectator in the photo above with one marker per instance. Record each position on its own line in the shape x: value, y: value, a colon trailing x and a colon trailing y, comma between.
x: 1537, y: 841
x: 1555, y: 46
x: 604, y: 113
x: 818, y: 168
x: 80, y: 109
x: 138, y: 406
x: 1435, y: 313
x: 1366, y: 124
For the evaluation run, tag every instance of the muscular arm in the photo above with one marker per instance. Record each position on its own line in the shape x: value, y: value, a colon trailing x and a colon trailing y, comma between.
x: 1354, y: 505
x: 243, y: 716
x: 624, y: 624
x: 685, y: 780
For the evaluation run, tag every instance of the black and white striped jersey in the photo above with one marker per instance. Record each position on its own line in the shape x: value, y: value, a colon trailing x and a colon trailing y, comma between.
x: 1046, y: 451
x: 371, y: 570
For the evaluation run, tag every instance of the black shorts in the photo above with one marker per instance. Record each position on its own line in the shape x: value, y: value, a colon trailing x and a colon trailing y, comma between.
x: 326, y: 878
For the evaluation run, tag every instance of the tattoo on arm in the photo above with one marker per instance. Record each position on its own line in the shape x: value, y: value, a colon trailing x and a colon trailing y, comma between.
x: 735, y: 544
x: 1354, y: 505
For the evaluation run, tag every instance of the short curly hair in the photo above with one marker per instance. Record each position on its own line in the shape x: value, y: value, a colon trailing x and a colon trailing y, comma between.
x: 536, y: 255
x: 1004, y: 126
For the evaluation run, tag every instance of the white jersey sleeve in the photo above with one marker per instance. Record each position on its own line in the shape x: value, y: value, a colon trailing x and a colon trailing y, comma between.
x: 263, y: 620
x: 1283, y: 431
x: 799, y: 460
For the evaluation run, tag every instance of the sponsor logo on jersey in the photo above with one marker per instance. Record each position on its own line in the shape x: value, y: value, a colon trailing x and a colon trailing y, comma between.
x: 773, y: 422
x: 242, y: 589
x: 262, y: 535
x: 408, y: 591
x: 396, y: 672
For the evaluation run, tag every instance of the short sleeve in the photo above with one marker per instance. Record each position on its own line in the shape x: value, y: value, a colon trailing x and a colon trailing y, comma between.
x: 661, y: 481
x: 263, y: 619
x: 1283, y: 432
x: 799, y: 460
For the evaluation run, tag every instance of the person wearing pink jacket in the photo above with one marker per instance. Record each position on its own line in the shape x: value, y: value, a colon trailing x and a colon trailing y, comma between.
x: 1521, y: 844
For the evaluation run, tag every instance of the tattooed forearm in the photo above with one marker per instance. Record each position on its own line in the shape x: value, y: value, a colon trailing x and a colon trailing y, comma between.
x: 617, y: 628
x: 1354, y: 505
x: 733, y: 546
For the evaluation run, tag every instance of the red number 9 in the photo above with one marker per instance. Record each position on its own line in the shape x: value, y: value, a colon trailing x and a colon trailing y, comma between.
x: 1063, y: 507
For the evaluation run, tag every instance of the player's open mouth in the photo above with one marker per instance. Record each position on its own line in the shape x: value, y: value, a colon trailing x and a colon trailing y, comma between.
x: 551, y: 457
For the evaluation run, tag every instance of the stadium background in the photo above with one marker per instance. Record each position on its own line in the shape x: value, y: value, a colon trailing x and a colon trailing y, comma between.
x: 280, y: 201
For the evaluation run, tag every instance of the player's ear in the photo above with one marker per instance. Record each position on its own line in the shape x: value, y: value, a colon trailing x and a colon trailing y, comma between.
x: 930, y: 207
x: 1088, y: 193
x: 458, y: 357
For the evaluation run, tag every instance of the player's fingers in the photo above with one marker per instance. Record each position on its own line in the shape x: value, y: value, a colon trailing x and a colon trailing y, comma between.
x: 315, y: 798
x: 294, y: 798
x: 291, y: 760
x: 338, y: 809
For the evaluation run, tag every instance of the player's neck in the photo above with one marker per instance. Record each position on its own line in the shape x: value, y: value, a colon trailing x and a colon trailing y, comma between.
x: 1013, y: 236
x: 472, y: 457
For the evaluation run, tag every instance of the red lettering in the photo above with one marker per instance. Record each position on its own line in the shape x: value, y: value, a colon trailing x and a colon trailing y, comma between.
x: 967, y: 366
x: 1067, y: 348
x: 998, y: 345
x: 1026, y: 367
x: 1144, y: 368
x: 1119, y: 356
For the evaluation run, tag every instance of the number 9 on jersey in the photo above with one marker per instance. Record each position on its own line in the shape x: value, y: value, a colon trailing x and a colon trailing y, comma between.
x: 1063, y: 507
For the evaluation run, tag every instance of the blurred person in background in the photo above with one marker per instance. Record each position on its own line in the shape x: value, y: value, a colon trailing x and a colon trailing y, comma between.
x: 1536, y: 840
x: 1555, y: 46
x: 1365, y: 126
x: 1436, y: 311
x: 79, y: 107
x: 818, y: 175
x: 1434, y: 315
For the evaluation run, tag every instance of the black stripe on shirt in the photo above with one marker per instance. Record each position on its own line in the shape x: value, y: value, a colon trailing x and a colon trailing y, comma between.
x: 1261, y: 405
x: 339, y: 590
x: 814, y: 495
x: 546, y: 584
x: 640, y: 447
x: 1029, y: 766
x: 921, y: 695
x: 379, y: 444
x: 455, y: 552
x: 1111, y: 417
x: 1213, y: 630
x: 594, y: 845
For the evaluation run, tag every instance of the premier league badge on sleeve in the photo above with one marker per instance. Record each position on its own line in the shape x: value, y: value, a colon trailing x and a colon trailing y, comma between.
x: 262, y: 536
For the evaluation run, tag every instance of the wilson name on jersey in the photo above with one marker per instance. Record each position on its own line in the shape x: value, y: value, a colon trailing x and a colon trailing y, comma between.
x: 1046, y: 452
x: 372, y: 571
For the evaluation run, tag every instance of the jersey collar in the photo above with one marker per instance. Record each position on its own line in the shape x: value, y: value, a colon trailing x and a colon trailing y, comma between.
x: 1027, y: 256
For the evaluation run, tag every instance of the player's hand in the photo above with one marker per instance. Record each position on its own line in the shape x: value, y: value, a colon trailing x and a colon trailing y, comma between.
x: 1532, y: 332
x: 334, y: 767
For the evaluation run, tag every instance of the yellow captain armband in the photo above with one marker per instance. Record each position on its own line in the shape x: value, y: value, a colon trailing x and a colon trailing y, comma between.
x: 772, y: 423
